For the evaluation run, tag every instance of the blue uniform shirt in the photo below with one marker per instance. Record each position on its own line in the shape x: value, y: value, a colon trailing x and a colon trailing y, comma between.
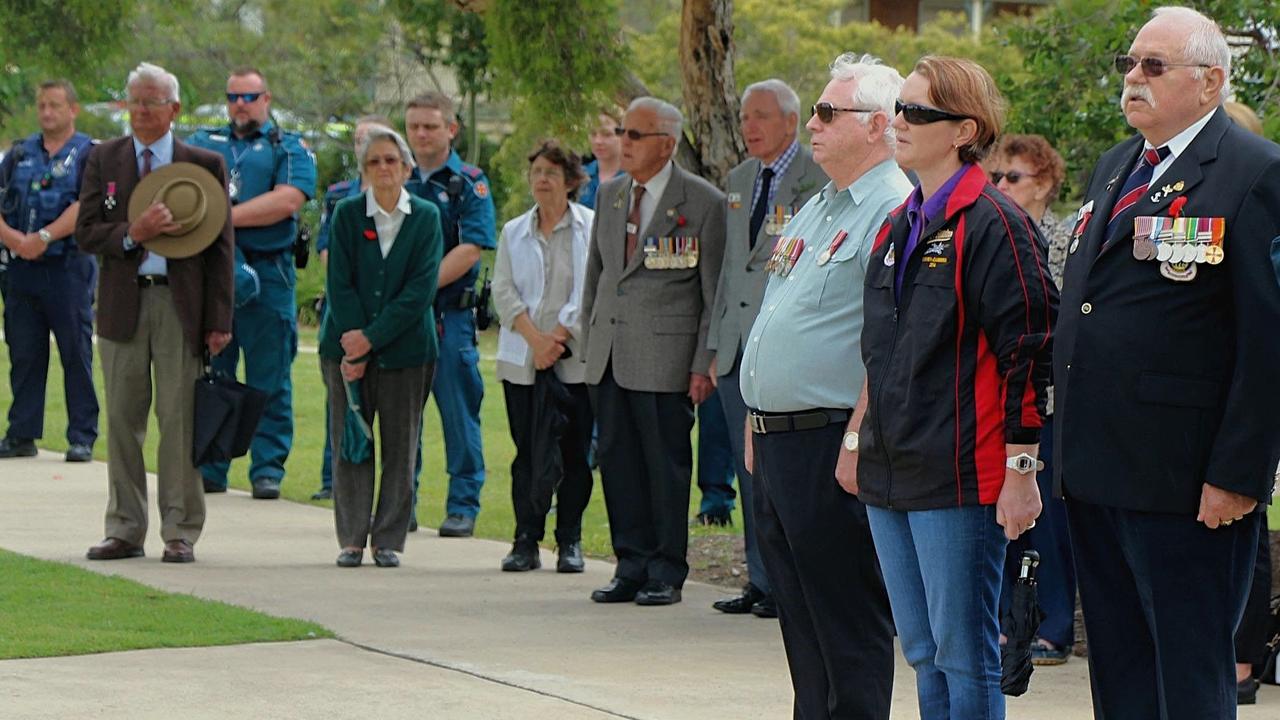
x: 337, y: 191
x: 468, y: 219
x: 255, y: 165
x: 38, y: 188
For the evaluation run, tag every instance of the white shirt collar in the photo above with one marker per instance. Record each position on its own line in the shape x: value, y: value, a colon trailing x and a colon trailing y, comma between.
x: 1179, y: 143
x: 658, y: 183
x: 373, y: 209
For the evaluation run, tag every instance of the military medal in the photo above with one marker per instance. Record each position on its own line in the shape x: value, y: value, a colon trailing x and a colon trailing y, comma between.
x: 825, y: 256
x: 109, y: 202
x: 776, y: 222
x: 651, y: 253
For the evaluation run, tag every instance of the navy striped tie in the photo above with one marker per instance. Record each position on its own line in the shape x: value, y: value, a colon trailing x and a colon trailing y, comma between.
x: 1135, y: 186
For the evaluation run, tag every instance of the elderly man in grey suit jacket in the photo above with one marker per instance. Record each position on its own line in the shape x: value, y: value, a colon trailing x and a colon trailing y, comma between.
x: 652, y: 269
x: 765, y: 190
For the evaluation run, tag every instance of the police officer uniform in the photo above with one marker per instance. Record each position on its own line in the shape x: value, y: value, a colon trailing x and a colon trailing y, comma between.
x: 461, y: 192
x: 51, y: 294
x: 335, y: 192
x: 266, y: 327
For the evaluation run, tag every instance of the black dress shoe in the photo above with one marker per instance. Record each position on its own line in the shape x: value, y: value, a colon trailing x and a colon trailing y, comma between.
x: 618, y: 590
x: 13, y: 447
x: 413, y: 522
x: 766, y: 608
x: 322, y: 494
x: 350, y: 558
x: 523, y: 557
x: 178, y: 551
x: 266, y: 489
x: 213, y: 487
x: 1247, y: 692
x: 457, y: 526
x: 656, y: 592
x: 740, y: 605
x: 382, y: 557
x: 114, y: 549
x: 569, y: 558
x: 79, y: 453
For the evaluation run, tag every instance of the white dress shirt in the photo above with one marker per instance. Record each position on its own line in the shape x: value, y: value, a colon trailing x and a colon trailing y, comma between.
x: 652, y: 194
x: 387, y: 223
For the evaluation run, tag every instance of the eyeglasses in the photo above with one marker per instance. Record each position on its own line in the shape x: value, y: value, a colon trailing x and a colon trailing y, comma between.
x: 826, y: 112
x: 635, y: 134
x: 245, y: 97
x: 388, y: 160
x: 923, y: 114
x: 1151, y: 67
x: 1013, y: 176
x: 148, y: 103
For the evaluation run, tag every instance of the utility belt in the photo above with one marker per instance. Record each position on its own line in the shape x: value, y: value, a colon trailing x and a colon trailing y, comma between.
x: 762, y: 423
x: 255, y: 256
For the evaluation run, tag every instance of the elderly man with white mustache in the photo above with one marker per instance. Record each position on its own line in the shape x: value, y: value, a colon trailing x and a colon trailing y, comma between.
x: 1164, y: 369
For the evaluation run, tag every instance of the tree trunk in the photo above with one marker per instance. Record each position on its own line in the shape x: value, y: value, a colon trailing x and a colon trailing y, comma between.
x: 710, y: 95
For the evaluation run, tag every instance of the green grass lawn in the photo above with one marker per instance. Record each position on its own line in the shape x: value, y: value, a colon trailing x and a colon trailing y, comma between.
x: 54, y: 609
x: 302, y: 471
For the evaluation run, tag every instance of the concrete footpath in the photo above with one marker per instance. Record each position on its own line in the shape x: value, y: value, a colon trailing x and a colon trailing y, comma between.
x: 447, y: 635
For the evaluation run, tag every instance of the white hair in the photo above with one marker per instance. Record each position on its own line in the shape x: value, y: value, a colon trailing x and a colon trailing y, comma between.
x: 787, y: 99
x: 378, y: 132
x: 146, y: 72
x: 1206, y: 44
x: 670, y: 120
x: 878, y: 85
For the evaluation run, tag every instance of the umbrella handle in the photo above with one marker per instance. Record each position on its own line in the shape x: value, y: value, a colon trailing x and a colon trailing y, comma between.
x: 1030, y: 563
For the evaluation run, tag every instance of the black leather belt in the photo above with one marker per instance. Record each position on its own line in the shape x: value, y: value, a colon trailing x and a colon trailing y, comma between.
x: 146, y: 281
x: 763, y: 423
x: 253, y: 256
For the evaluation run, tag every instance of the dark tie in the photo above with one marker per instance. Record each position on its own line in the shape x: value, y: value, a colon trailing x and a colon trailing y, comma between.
x: 146, y: 163
x: 757, y: 210
x: 633, y: 223
x: 1134, y: 187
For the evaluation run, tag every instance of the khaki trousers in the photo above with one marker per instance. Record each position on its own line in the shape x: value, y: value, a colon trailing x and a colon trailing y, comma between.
x: 127, y: 366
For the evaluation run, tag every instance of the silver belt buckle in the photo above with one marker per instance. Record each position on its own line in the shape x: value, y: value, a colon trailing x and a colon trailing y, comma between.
x: 757, y: 423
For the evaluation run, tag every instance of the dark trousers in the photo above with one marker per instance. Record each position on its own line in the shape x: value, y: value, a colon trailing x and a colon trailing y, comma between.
x: 646, y: 467
x: 1162, y: 595
x: 715, y: 459
x: 531, y: 485
x: 735, y: 415
x: 1252, y: 635
x: 396, y: 398
x: 55, y: 295
x: 837, y: 627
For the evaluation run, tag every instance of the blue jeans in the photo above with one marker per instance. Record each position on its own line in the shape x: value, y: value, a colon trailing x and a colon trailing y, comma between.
x: 942, y: 569
x: 459, y: 389
x: 715, y: 458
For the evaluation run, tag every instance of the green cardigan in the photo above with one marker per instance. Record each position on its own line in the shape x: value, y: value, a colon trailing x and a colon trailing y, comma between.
x: 390, y: 299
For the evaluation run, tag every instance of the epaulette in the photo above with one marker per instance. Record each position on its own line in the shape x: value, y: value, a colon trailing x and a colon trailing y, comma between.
x: 340, y: 186
x: 472, y: 171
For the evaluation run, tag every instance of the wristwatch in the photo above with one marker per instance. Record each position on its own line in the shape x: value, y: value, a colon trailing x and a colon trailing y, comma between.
x: 851, y: 441
x: 1024, y: 464
x: 45, y: 236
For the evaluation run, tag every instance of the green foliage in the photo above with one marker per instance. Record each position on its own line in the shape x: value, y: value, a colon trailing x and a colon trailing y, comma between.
x: 440, y: 33
x: 1069, y: 92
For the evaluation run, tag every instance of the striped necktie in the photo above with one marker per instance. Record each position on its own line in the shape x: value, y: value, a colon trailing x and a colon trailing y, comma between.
x: 1135, y: 186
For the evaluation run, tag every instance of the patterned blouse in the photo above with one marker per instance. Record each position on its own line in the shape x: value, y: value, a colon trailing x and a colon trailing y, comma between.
x: 1058, y: 234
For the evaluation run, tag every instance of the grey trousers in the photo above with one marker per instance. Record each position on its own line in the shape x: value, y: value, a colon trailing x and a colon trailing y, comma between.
x: 396, y: 397
x: 127, y: 366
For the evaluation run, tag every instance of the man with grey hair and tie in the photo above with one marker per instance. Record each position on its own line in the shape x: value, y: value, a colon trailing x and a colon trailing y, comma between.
x: 801, y: 380
x: 764, y: 191
x: 652, y: 270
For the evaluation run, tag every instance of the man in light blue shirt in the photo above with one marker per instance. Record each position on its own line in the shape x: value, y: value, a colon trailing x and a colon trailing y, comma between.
x: 801, y: 376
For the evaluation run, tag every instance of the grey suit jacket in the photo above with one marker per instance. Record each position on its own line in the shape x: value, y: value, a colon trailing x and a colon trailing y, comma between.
x: 742, y: 279
x: 652, y: 324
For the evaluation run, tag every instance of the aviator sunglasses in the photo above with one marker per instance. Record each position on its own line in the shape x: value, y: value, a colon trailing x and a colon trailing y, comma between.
x: 826, y: 112
x: 923, y: 114
x: 246, y: 97
x: 1013, y: 176
x: 635, y: 134
x: 1151, y: 67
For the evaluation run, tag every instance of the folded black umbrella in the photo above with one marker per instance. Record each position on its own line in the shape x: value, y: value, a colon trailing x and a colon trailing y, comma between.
x: 551, y: 403
x: 1021, y: 627
x: 226, y: 416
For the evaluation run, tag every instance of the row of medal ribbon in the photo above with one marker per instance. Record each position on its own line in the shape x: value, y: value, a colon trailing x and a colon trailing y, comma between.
x: 778, y: 219
x: 670, y: 253
x: 1179, y: 240
x: 786, y: 251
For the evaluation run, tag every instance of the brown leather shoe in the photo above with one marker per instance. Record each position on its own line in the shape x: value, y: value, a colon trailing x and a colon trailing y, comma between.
x: 114, y: 549
x: 178, y: 551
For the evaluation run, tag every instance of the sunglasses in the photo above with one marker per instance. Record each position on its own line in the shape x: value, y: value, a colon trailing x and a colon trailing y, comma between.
x: 635, y: 134
x: 246, y: 97
x: 923, y: 114
x: 826, y: 112
x: 1151, y: 67
x: 1013, y: 176
x: 388, y: 160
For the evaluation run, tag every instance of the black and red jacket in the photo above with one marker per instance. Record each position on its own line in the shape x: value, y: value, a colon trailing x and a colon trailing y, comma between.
x: 958, y: 367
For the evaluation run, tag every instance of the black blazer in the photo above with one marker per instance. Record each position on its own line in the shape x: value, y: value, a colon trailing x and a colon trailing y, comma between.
x: 1162, y: 386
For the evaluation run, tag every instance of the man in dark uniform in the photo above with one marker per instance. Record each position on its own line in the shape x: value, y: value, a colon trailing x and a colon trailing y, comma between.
x: 1164, y: 367
x: 272, y: 173
x: 337, y: 191
x: 461, y: 192
x: 50, y: 281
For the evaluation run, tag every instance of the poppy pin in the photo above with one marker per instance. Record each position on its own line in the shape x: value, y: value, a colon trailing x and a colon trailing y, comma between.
x: 370, y: 235
x: 1175, y: 209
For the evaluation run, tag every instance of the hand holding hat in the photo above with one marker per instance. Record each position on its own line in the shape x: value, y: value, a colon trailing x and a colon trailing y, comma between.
x: 178, y: 210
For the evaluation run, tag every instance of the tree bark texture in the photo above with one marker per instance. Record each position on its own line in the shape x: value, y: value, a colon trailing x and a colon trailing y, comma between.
x: 710, y: 94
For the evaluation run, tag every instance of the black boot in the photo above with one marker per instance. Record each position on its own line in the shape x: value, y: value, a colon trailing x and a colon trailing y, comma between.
x: 570, y: 557
x: 523, y: 556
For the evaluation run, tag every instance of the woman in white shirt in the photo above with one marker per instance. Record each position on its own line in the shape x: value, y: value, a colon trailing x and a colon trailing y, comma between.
x: 537, y: 289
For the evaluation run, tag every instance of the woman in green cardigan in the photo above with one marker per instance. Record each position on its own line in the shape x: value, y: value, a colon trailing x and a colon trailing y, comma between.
x: 384, y: 256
